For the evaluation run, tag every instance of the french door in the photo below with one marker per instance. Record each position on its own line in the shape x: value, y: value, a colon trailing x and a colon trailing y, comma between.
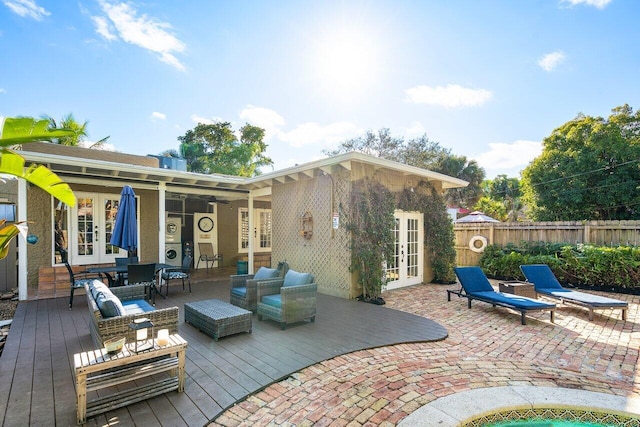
x: 406, y: 266
x: 93, y: 220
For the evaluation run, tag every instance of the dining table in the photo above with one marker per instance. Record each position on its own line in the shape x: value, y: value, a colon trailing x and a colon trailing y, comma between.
x: 110, y: 271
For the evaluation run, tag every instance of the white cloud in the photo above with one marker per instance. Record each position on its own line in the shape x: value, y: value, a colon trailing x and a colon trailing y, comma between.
x: 27, y: 8
x: 509, y: 156
x: 449, y: 96
x: 101, y: 147
x: 551, y: 60
x: 267, y: 119
x: 599, y: 4
x: 102, y: 28
x: 415, y: 130
x: 141, y: 31
x: 205, y: 120
x: 325, y: 135
x: 158, y: 116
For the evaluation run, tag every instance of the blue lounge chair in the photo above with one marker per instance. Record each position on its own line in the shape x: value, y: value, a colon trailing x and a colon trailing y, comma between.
x: 545, y: 283
x: 475, y: 285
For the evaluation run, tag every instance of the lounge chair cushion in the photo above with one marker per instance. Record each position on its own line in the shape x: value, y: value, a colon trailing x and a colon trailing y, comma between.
x: 473, y: 280
x: 137, y: 306
x: 512, y: 300
x: 293, y: 278
x: 583, y: 297
x: 272, y: 300
x: 240, y: 291
x: 266, y: 273
x: 545, y: 282
x: 109, y: 304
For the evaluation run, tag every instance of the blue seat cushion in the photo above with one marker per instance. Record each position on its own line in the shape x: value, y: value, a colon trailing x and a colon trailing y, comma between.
x: 272, y: 300
x: 239, y: 292
x: 512, y: 300
x: 174, y: 275
x: 293, y: 278
x: 267, y: 273
x: 109, y: 304
x: 137, y: 306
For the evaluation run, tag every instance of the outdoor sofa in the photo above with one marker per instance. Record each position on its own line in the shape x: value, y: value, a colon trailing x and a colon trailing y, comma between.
x: 112, y: 310
x: 546, y: 283
x: 476, y: 286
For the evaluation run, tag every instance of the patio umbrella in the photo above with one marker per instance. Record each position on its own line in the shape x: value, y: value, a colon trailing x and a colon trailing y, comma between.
x: 125, y: 231
x: 477, y: 216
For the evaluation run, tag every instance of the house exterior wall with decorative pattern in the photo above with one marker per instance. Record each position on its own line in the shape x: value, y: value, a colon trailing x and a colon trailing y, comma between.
x: 325, y: 254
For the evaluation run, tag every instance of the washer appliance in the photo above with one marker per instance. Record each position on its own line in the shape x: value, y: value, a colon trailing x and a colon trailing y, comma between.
x: 173, y: 230
x: 173, y: 254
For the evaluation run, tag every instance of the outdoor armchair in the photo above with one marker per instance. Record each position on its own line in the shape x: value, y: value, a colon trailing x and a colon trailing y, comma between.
x: 143, y: 274
x: 207, y: 255
x: 244, y: 287
x: 288, y: 300
x: 546, y: 283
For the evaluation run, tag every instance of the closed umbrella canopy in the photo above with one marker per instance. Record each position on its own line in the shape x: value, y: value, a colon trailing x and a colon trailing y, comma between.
x: 477, y: 216
x: 125, y: 231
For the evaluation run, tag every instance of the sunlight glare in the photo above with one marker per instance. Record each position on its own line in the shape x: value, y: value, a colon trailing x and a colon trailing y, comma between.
x: 346, y: 61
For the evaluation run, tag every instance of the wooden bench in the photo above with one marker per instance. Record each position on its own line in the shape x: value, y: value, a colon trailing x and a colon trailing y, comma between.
x: 97, y: 369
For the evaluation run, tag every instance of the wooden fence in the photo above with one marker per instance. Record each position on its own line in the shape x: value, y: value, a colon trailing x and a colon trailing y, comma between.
x: 600, y: 233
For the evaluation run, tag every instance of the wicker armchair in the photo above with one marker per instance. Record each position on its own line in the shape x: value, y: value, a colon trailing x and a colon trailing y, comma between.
x: 244, y: 287
x: 103, y: 329
x: 288, y: 300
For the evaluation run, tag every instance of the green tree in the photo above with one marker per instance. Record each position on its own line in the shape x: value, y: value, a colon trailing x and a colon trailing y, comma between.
x: 505, y: 191
x: 214, y: 148
x: 22, y: 130
x: 493, y: 208
x: 76, y: 131
x: 588, y: 170
x: 423, y: 153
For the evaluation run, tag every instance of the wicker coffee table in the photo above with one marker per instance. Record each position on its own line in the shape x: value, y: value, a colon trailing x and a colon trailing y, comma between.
x: 217, y: 318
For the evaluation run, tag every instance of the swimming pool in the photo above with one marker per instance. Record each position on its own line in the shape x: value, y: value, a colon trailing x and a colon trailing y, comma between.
x: 487, y: 407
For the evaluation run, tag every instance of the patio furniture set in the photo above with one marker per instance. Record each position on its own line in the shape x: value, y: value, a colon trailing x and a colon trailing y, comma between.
x: 521, y: 296
x: 279, y: 294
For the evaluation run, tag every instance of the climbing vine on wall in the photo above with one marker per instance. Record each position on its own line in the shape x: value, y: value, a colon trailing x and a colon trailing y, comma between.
x: 371, y: 225
x: 439, y: 238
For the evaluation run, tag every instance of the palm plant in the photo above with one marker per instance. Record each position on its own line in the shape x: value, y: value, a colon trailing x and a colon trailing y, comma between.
x: 77, y: 131
x: 21, y: 130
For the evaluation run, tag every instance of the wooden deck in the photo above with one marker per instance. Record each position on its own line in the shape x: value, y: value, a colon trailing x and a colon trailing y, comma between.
x: 37, y: 384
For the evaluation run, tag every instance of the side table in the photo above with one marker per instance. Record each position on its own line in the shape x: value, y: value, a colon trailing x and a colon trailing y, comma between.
x: 523, y: 289
x: 97, y: 369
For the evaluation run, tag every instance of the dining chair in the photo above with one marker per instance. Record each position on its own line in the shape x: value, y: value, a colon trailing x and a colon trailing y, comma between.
x: 143, y: 273
x: 182, y: 273
x: 207, y: 255
x: 77, y: 280
x: 122, y: 261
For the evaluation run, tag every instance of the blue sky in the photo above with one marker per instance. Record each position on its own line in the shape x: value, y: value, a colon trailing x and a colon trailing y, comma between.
x: 488, y: 79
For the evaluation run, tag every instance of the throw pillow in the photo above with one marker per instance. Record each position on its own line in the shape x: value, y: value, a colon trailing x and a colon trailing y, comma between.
x: 293, y: 278
x: 266, y: 273
x: 97, y: 286
x: 109, y: 305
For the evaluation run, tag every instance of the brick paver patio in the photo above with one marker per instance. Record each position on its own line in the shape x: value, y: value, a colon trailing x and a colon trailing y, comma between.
x: 486, y: 347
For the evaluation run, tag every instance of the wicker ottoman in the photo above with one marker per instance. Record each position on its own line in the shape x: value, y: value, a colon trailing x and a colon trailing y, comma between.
x: 217, y: 318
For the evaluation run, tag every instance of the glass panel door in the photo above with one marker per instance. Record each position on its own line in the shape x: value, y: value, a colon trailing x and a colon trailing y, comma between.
x: 406, y: 267
x: 94, y: 219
